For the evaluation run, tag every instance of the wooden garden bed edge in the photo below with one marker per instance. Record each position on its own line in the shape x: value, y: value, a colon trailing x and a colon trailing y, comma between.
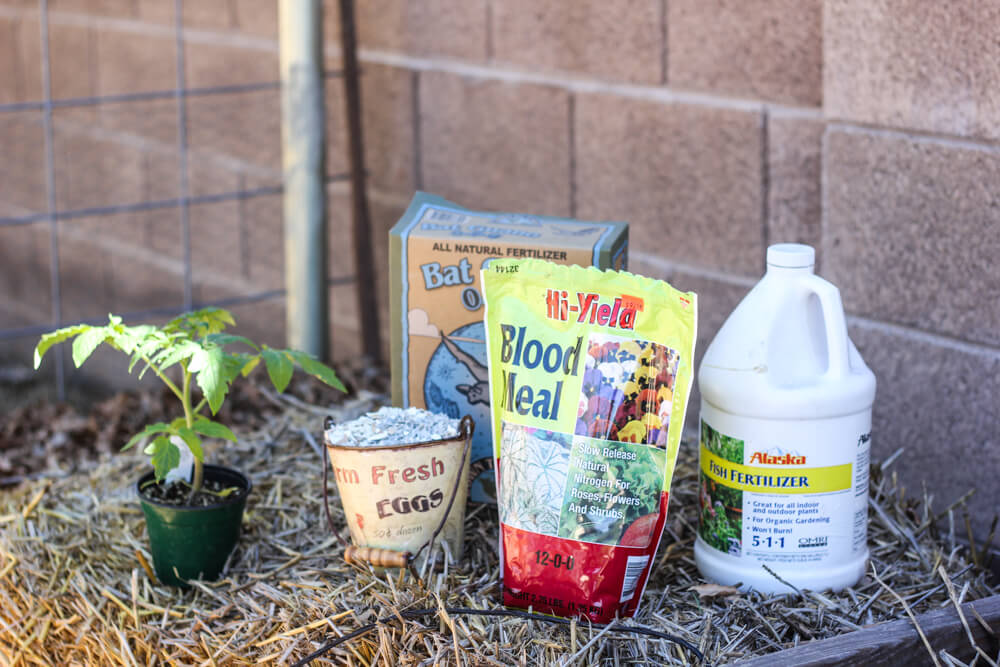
x: 897, y: 642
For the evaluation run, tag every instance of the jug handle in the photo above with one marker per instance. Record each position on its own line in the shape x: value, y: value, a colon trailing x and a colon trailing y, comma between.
x: 838, y: 364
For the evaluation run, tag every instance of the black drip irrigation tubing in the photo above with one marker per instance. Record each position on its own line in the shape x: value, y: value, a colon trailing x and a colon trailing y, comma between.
x: 468, y: 611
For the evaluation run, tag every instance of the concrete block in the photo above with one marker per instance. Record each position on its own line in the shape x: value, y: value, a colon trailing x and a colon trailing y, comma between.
x: 384, y: 214
x: 29, y: 4
x: 245, y: 127
x: 25, y: 281
x: 93, y: 170
x: 152, y: 121
x: 337, y: 157
x: 138, y: 283
x: 910, y: 231
x: 340, y: 232
x: 9, y: 62
x: 115, y: 8
x: 211, y: 174
x: 387, y: 108
x: 345, y: 334
x: 129, y: 62
x: 213, y: 64
x: 331, y: 24
x: 910, y: 64
x: 22, y: 166
x: 161, y: 174
x: 495, y: 144
x: 219, y: 263
x: 253, y: 177
x: 688, y: 179
x: 214, y: 15
x: 619, y: 40
x: 262, y: 241
x: 86, y: 275
x: 20, y: 59
x: 764, y: 50
x: 115, y: 233
x: 156, y: 11
x: 939, y: 402
x: 159, y: 233
x: 257, y: 17
x: 261, y: 322
x: 73, y: 61
x: 794, y: 196
x: 450, y: 28
x: 388, y: 105
x: 30, y: 52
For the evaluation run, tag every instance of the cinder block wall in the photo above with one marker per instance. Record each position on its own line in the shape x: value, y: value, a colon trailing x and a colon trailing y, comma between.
x: 868, y: 128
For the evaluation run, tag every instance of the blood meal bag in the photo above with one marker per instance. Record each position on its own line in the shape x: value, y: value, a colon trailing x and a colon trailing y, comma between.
x: 590, y: 373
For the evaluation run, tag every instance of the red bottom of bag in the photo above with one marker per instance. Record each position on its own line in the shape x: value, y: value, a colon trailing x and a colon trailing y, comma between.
x: 568, y: 578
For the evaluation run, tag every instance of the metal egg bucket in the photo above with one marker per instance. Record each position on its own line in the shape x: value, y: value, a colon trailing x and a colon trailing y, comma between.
x: 395, y: 497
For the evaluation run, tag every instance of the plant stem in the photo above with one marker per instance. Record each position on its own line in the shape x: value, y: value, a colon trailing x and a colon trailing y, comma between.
x: 201, y: 404
x: 199, y: 473
x: 167, y: 381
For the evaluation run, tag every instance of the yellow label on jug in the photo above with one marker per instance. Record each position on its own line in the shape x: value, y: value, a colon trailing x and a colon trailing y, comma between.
x: 827, y: 479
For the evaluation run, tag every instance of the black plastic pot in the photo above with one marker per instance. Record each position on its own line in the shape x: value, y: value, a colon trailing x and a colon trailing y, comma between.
x: 194, y: 542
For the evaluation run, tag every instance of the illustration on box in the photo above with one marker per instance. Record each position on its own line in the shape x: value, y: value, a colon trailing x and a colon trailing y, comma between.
x: 457, y: 378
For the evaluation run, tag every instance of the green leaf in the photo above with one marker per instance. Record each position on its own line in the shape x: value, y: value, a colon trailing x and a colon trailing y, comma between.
x: 193, y: 442
x: 166, y: 457
x: 250, y: 364
x: 212, y: 429
x: 151, y: 429
x: 279, y: 367
x: 209, y: 366
x: 201, y: 323
x: 177, y: 351
x: 223, y: 339
x: 231, y: 365
x: 55, y: 337
x: 86, y: 343
x: 128, y: 339
x: 151, y: 343
x: 317, y: 369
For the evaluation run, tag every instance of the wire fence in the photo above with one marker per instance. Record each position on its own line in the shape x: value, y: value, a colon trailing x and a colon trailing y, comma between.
x: 60, y: 187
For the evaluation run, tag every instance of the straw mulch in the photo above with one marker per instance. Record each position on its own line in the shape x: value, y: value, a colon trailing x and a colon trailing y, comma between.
x: 73, y: 589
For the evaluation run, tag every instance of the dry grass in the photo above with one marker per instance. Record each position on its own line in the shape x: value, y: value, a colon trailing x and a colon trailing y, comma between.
x: 73, y: 589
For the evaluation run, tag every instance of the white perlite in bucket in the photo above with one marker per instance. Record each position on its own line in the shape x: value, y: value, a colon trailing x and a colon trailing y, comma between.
x: 393, y: 426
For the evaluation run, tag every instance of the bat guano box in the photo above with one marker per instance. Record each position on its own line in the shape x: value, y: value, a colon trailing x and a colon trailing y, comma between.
x: 436, y: 251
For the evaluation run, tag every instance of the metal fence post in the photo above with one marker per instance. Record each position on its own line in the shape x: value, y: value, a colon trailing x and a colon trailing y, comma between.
x: 303, y: 163
x: 363, y: 256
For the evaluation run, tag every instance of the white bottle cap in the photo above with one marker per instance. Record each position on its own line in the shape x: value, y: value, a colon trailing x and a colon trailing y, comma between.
x: 791, y: 256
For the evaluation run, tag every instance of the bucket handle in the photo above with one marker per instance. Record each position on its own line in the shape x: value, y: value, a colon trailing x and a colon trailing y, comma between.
x: 838, y: 363
x: 465, y: 429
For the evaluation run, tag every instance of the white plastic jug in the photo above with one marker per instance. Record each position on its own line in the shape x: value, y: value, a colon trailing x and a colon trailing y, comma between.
x: 786, y: 405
